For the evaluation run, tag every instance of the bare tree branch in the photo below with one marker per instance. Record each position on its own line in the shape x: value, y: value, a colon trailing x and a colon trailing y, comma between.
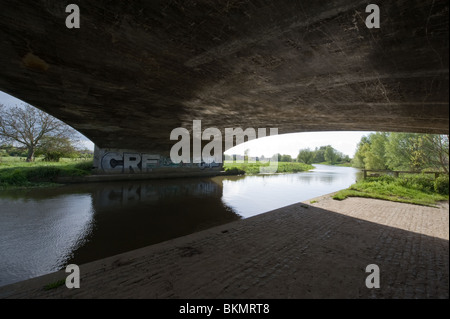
x: 27, y: 125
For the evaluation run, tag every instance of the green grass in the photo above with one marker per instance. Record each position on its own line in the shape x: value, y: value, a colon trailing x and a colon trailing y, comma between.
x: 254, y: 168
x: 15, y: 173
x: 417, y: 189
x: 55, y: 284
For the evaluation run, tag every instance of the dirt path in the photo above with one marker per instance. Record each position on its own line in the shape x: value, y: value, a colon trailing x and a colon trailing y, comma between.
x: 305, y: 250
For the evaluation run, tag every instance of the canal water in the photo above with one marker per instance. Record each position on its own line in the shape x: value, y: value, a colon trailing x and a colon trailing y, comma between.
x: 43, y: 230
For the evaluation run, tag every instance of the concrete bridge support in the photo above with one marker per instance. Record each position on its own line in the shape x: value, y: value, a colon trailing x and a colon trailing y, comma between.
x: 155, y: 164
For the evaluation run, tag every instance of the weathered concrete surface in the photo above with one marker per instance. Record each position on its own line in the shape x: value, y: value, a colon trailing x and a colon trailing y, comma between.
x: 135, y: 70
x: 130, y: 162
x: 299, y: 251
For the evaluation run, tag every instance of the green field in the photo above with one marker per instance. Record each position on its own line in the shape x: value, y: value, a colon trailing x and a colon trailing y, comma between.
x: 254, y: 168
x: 418, y: 189
x: 15, y: 172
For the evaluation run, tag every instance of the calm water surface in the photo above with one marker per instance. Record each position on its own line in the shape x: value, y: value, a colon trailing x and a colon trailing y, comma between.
x: 43, y: 230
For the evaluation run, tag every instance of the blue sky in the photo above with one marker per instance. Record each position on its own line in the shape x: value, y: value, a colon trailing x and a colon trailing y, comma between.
x: 344, y: 142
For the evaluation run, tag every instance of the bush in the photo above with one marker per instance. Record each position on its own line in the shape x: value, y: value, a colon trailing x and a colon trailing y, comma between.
x: 441, y: 185
x: 419, y: 182
x: 42, y: 173
x: 13, y: 177
x: 382, y: 178
x: 84, y: 166
x: 234, y: 171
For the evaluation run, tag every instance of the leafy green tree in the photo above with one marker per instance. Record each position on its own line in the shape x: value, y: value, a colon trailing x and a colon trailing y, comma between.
x: 306, y: 156
x: 376, y: 155
x: 346, y: 159
x: 398, y: 155
x: 331, y: 155
x: 10, y: 150
x: 54, y: 147
x: 406, y: 151
x: 361, y: 152
x: 319, y: 154
x: 403, y: 151
x: 437, y: 147
x: 286, y: 158
x: 417, y: 152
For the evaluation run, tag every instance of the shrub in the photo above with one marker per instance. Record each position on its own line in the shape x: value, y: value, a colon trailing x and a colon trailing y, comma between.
x: 13, y: 177
x: 84, y: 166
x: 41, y: 173
x: 382, y: 178
x: 441, y: 185
x: 234, y: 171
x: 419, y: 182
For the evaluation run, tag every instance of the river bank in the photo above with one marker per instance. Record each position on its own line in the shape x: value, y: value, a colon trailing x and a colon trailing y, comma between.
x: 20, y: 174
x: 233, y: 168
x: 299, y: 251
x: 40, y: 174
x: 412, y: 189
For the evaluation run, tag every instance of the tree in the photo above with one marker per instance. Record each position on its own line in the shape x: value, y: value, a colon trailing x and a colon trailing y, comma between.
x: 27, y: 126
x: 361, y: 152
x: 10, y: 150
x: 346, y: 159
x: 55, y: 147
x: 285, y: 158
x: 276, y: 157
x: 319, y: 154
x: 417, y: 151
x: 376, y: 155
x: 438, y: 146
x: 306, y: 156
x: 397, y: 151
x: 331, y: 155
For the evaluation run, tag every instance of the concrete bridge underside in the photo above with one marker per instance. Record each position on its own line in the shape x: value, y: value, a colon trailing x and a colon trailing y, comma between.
x: 135, y: 70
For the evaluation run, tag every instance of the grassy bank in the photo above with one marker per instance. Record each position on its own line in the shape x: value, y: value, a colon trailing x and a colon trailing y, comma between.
x: 17, y: 174
x: 254, y: 168
x: 419, y: 189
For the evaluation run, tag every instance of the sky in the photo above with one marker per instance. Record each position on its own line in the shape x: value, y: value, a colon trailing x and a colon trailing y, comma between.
x: 290, y: 144
x: 9, y: 100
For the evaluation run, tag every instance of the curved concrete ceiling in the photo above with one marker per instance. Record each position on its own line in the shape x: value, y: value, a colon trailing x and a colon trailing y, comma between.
x: 135, y: 70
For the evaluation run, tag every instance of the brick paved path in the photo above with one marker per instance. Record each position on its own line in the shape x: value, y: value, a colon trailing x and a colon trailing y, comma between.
x: 304, y: 250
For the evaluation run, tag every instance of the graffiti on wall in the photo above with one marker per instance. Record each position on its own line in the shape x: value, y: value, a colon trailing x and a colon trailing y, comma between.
x: 115, y: 162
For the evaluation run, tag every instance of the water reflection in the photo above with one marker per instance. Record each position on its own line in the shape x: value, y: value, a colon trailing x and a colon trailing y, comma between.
x: 137, y: 214
x: 36, y: 235
x: 43, y: 230
x: 254, y: 195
